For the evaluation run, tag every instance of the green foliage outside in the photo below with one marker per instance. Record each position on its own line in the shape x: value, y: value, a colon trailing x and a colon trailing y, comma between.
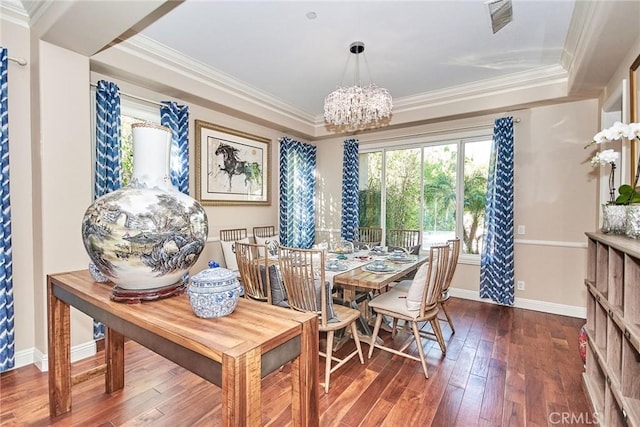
x: 126, y: 148
x: 403, y: 192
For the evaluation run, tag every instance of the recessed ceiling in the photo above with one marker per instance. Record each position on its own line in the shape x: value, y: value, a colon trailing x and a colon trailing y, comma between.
x: 412, y: 47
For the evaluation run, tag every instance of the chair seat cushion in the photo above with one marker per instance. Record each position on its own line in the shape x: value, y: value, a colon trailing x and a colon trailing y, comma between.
x: 395, y: 301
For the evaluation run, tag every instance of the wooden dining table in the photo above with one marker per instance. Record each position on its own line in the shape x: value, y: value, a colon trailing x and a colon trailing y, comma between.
x: 359, y: 278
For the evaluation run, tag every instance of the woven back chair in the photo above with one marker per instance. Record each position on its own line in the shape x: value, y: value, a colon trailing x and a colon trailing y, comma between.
x: 304, y: 280
x: 233, y: 234
x: 416, y: 307
x: 254, y: 271
x: 264, y: 231
x: 454, y: 245
x: 408, y: 240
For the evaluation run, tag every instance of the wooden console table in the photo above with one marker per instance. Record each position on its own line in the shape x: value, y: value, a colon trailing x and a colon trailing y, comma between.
x: 234, y: 352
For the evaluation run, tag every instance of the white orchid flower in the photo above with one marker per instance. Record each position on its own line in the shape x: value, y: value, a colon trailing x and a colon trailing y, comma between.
x: 604, y: 157
x: 617, y: 131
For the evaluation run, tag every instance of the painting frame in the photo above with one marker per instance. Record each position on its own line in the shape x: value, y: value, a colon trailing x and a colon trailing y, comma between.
x: 232, y: 167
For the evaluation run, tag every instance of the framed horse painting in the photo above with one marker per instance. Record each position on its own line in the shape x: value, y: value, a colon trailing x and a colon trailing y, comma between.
x: 232, y: 167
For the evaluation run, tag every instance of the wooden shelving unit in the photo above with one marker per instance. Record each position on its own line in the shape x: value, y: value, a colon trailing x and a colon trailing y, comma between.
x: 612, y: 374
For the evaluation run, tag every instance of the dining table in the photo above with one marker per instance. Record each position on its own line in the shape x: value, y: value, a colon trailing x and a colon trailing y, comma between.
x: 360, y: 279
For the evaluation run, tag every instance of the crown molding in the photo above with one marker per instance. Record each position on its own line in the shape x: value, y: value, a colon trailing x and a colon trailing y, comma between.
x: 169, y: 58
x: 517, y: 81
x: 13, y: 12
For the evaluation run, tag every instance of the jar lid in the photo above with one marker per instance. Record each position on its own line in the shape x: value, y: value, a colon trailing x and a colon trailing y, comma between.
x: 213, y: 277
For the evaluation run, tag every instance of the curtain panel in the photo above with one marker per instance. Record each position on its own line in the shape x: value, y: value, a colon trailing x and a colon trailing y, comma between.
x: 176, y: 118
x: 7, y: 331
x: 350, y: 164
x: 496, y: 261
x: 107, y: 174
x: 297, y: 193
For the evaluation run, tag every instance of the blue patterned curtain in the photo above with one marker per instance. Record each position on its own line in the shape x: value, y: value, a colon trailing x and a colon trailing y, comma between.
x: 107, y: 149
x: 297, y: 193
x: 349, y: 225
x: 496, y: 262
x: 176, y: 118
x: 7, y: 344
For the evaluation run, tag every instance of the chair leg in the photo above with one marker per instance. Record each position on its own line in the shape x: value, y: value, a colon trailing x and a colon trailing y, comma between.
x: 435, y: 325
x: 394, y: 329
x: 327, y: 366
x: 418, y: 338
x: 374, y: 336
x: 354, y: 332
x: 453, y: 330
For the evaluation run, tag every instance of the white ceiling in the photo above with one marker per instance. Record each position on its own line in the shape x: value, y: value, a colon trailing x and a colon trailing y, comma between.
x: 267, y: 62
x: 412, y: 47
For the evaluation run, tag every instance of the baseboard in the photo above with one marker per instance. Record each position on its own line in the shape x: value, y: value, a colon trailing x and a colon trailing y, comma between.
x: 529, y: 304
x: 36, y: 357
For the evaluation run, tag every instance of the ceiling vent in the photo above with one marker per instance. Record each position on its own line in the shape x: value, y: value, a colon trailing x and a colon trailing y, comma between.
x: 501, y: 13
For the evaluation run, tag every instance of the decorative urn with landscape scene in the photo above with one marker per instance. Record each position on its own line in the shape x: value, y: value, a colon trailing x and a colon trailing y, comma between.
x: 621, y: 214
x: 144, y: 237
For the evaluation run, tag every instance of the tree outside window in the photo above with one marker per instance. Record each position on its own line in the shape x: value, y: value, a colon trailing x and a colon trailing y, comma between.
x: 422, y: 189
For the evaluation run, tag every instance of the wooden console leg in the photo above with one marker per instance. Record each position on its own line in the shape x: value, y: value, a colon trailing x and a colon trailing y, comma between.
x: 114, y: 358
x: 59, y: 343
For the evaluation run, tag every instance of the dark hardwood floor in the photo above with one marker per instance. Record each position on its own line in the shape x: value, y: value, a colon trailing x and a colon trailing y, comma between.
x: 503, y: 367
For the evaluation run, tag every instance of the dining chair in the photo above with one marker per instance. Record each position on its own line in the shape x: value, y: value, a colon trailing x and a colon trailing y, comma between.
x: 303, y: 273
x: 454, y: 253
x: 264, y: 231
x: 368, y: 236
x: 418, y: 305
x: 233, y: 234
x: 254, y: 271
x: 408, y: 240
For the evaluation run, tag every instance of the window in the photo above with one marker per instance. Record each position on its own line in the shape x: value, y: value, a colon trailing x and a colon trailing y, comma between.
x: 438, y: 187
x: 130, y: 113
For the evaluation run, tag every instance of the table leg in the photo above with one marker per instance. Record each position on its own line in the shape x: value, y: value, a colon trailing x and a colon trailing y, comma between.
x: 304, y: 379
x: 59, y: 343
x: 114, y: 359
x: 241, y: 394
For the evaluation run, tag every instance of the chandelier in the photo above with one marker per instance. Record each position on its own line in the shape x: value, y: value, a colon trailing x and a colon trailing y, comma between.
x: 358, y: 106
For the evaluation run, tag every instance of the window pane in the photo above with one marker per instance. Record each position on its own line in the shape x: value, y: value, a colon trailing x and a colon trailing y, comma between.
x: 126, y: 148
x: 476, y: 167
x: 402, y: 186
x: 439, y: 217
x: 370, y: 178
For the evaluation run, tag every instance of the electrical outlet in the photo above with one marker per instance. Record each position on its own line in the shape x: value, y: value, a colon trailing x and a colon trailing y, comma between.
x: 521, y: 229
x: 521, y: 285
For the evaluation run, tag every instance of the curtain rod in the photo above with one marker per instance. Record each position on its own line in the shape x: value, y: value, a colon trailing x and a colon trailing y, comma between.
x: 139, y: 98
x: 19, y: 61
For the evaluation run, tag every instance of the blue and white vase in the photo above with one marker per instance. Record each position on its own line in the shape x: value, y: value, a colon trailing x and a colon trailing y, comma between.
x: 144, y: 237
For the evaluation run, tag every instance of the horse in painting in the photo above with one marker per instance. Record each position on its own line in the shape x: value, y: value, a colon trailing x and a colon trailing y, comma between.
x: 233, y: 165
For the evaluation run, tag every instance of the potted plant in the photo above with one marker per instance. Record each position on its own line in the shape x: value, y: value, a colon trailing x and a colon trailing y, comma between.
x: 619, y: 207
